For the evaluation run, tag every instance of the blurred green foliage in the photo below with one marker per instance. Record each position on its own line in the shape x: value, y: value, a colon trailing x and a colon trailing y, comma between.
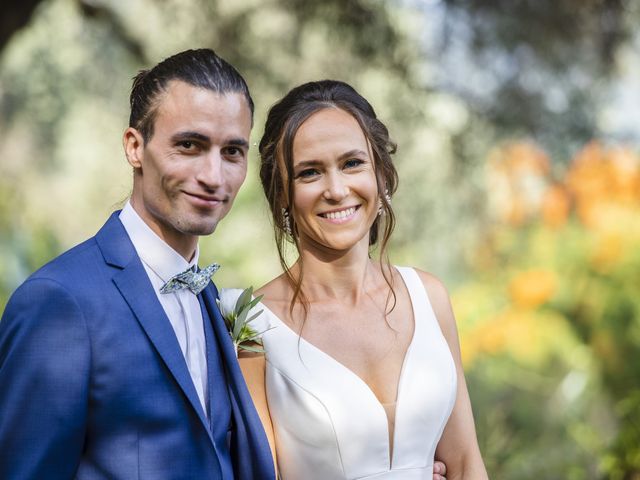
x: 542, y: 254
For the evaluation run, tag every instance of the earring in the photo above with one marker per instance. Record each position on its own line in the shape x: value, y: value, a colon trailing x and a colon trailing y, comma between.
x: 387, y: 197
x: 286, y: 223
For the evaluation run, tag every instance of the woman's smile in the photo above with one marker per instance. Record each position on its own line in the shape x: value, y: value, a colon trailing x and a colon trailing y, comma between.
x: 340, y: 216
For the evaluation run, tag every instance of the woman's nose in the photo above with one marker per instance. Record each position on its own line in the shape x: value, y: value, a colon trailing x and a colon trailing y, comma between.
x: 336, y: 188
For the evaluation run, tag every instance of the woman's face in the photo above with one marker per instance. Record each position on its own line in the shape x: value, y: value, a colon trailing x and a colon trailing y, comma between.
x: 335, y: 190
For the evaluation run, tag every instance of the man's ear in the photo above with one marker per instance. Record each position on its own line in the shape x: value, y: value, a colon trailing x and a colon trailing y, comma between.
x: 133, y: 147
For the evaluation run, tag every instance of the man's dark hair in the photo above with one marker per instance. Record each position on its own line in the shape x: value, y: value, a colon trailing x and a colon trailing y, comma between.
x: 200, y: 68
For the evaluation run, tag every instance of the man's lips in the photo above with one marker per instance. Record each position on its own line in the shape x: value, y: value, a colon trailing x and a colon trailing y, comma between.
x: 204, y: 199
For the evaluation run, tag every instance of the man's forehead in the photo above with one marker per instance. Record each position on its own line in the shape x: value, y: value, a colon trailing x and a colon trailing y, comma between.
x: 192, y: 108
x: 180, y: 93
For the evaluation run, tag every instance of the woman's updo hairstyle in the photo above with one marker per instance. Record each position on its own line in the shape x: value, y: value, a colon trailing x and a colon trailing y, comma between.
x: 276, y: 157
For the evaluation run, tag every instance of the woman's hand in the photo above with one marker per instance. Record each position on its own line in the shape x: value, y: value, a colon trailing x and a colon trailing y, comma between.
x: 439, y: 470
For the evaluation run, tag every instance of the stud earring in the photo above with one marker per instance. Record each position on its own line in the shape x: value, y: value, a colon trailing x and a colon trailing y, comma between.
x: 286, y: 223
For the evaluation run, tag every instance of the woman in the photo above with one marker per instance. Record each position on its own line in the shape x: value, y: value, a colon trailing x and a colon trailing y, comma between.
x: 362, y: 377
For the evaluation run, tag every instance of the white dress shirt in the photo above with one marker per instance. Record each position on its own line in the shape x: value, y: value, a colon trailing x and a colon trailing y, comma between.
x: 162, y: 262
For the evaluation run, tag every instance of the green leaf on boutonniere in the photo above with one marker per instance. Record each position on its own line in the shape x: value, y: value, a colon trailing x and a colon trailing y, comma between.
x: 238, y: 318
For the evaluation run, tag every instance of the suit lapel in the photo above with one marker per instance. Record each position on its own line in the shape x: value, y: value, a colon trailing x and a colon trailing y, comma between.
x: 216, y: 374
x: 249, y: 442
x: 209, y: 296
x: 134, y: 285
x: 249, y: 447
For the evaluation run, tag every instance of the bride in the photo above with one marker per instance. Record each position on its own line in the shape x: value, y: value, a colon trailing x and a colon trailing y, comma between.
x: 361, y: 376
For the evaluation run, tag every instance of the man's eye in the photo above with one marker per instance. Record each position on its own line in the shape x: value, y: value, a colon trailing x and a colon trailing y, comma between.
x: 234, y: 154
x: 186, y: 144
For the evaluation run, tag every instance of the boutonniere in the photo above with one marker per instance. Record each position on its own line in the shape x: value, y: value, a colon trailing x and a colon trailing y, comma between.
x: 237, y: 315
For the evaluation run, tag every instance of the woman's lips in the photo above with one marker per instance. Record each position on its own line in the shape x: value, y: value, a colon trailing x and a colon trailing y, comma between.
x: 340, y: 216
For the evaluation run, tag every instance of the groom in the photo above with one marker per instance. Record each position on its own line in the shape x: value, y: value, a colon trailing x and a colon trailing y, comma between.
x: 108, y: 367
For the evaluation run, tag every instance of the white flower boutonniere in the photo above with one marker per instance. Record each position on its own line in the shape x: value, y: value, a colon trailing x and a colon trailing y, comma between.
x: 237, y: 315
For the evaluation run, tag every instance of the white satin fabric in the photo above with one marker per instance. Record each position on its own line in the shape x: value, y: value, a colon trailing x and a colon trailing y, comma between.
x: 328, y: 423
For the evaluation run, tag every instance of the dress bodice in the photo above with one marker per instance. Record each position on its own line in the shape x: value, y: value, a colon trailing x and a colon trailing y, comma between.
x: 328, y: 424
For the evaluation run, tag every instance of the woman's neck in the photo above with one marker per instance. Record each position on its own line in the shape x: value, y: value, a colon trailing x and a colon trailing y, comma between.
x: 346, y: 277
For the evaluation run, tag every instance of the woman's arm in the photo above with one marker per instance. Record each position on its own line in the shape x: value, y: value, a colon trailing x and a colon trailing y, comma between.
x: 458, y: 447
x: 253, y: 369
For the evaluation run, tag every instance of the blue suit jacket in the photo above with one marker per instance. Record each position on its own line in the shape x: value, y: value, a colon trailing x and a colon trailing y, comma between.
x: 93, y: 383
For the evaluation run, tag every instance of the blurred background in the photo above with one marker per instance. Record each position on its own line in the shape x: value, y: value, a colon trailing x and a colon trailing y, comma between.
x: 518, y: 125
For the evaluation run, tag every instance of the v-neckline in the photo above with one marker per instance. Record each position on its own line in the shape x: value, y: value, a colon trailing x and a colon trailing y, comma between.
x: 359, y: 379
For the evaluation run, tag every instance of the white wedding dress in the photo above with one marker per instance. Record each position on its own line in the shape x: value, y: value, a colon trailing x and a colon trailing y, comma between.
x: 329, y: 425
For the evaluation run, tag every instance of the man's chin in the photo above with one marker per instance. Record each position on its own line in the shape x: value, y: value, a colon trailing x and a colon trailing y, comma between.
x: 199, y: 228
x: 202, y: 230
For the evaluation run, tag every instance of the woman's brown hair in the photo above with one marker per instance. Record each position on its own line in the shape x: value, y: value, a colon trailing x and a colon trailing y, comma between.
x: 276, y: 167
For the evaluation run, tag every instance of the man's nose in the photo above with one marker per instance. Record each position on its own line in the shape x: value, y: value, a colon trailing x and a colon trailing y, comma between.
x: 211, y: 173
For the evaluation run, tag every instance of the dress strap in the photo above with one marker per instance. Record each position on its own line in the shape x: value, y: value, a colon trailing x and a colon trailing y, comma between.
x: 422, y: 309
x: 414, y: 284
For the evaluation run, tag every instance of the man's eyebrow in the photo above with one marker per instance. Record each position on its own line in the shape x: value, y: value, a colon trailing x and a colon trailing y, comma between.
x: 182, y: 136
x: 238, y: 142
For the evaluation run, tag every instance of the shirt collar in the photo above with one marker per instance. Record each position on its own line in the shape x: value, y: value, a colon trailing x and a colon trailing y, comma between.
x: 152, y: 250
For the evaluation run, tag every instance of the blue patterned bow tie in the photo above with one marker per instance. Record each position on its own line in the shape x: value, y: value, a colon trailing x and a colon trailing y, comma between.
x: 194, y: 281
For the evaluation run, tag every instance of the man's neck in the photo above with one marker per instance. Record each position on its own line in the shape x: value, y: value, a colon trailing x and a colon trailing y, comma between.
x: 184, y: 245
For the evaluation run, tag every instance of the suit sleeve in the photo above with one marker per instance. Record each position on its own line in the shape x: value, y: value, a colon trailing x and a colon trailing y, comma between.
x: 44, y: 381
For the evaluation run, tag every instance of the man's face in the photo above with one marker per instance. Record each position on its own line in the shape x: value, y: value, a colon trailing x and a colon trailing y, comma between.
x: 189, y: 172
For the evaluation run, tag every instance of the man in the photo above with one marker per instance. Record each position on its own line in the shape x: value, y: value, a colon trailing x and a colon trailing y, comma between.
x: 108, y: 367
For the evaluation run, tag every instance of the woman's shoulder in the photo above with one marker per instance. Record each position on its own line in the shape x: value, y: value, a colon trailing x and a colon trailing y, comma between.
x: 274, y: 289
x: 435, y: 287
x: 271, y: 291
x: 276, y: 295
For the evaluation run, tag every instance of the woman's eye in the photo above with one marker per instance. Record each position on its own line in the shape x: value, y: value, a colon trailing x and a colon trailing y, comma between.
x: 309, y: 172
x: 354, y: 162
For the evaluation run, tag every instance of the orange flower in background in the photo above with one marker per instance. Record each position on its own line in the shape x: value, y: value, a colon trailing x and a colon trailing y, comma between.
x: 555, y: 206
x: 486, y: 338
x: 517, y: 176
x: 525, y: 335
x: 608, y: 251
x: 520, y: 188
x: 625, y: 174
x: 525, y: 158
x: 532, y: 288
x: 601, y: 176
x: 588, y: 180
